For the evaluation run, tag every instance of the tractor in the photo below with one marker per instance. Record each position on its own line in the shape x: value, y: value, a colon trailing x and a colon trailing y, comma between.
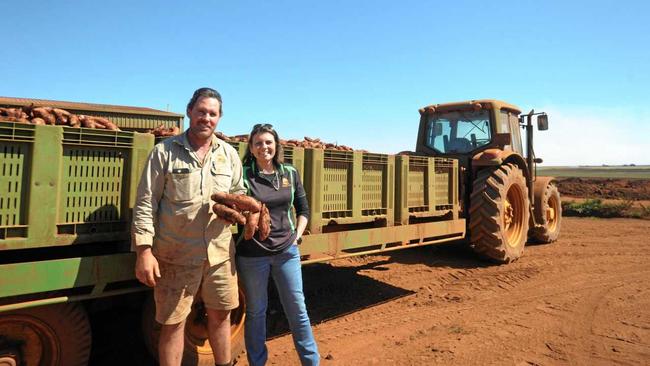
x: 503, y: 200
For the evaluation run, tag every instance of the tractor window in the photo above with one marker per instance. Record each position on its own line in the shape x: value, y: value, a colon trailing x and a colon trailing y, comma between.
x: 516, y: 134
x: 458, y: 132
x: 504, y: 123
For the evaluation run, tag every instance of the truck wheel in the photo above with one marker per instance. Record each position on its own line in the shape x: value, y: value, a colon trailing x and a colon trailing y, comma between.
x: 197, y: 347
x: 548, y: 214
x: 499, y: 213
x: 52, y: 335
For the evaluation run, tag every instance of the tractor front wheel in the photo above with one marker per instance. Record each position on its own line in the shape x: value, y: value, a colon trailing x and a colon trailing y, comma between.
x: 548, y: 213
x: 499, y: 213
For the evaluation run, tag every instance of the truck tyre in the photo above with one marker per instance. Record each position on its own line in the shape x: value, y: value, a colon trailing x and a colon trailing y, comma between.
x: 197, y: 347
x: 548, y: 214
x: 499, y: 213
x: 51, y: 335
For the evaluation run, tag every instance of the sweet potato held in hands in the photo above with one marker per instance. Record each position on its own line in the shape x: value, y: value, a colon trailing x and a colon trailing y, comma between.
x: 252, y: 218
x: 244, y: 210
x: 227, y: 214
x: 264, y: 223
x: 237, y: 201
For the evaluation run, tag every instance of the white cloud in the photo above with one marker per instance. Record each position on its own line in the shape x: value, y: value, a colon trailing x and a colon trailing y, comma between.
x: 594, y: 136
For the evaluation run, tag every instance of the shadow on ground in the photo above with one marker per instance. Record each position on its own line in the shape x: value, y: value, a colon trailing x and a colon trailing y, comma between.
x: 117, y: 335
x: 334, y: 291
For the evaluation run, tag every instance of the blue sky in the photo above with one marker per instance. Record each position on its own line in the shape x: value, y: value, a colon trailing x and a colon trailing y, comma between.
x: 351, y: 72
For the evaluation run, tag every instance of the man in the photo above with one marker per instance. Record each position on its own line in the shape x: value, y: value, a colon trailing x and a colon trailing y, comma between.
x: 181, y: 245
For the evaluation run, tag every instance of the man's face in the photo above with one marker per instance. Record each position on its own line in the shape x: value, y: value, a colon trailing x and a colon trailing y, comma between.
x: 204, y: 117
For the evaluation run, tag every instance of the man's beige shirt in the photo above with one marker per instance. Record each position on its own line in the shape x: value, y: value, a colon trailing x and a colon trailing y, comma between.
x: 173, y: 210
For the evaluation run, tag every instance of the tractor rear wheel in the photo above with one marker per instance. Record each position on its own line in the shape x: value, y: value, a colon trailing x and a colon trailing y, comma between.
x: 548, y: 214
x: 197, y: 347
x: 50, y: 335
x: 499, y: 213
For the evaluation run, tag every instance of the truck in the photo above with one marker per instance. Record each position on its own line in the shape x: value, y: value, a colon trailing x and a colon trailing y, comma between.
x: 67, y: 195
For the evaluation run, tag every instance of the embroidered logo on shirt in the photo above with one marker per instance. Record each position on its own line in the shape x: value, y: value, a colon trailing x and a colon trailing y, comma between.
x: 285, y: 182
x: 218, y: 162
x: 220, y: 166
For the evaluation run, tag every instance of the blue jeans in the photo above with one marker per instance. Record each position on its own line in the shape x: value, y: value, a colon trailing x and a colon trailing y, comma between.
x: 286, y: 273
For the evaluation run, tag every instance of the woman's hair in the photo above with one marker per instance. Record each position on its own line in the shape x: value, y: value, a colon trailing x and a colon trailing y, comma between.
x: 206, y: 93
x: 259, y: 128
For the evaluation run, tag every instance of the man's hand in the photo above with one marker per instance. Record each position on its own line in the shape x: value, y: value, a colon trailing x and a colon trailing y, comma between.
x: 146, y: 266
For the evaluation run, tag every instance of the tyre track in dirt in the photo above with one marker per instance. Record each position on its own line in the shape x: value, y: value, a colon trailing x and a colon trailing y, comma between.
x: 554, y: 306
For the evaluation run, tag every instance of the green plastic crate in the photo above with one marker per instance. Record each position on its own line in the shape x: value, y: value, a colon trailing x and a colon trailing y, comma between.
x: 426, y: 187
x: 292, y: 155
x: 347, y: 189
x: 65, y: 185
x: 240, y: 147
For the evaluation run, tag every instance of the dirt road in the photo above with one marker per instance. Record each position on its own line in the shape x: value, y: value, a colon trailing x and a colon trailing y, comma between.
x: 584, y: 300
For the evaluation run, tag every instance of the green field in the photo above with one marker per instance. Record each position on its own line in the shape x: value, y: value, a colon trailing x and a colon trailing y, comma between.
x: 630, y: 172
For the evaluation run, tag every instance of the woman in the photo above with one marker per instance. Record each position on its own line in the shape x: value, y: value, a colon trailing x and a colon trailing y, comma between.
x: 278, y: 186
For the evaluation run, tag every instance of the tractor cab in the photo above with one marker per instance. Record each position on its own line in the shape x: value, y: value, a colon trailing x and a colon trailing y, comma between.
x: 467, y: 128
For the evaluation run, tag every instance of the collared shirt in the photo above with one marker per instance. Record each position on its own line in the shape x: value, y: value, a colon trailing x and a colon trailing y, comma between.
x: 173, y: 210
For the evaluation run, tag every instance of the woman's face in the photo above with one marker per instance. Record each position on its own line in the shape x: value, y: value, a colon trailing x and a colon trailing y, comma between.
x: 263, y: 147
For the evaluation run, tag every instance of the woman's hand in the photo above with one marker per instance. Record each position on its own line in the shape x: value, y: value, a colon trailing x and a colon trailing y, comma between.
x: 300, y: 228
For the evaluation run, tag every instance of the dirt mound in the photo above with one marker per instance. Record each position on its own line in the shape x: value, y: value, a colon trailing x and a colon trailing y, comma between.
x: 605, y: 188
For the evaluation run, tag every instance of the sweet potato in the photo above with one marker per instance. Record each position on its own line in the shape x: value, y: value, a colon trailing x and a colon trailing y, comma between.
x: 252, y: 218
x: 228, y: 214
x: 105, y: 123
x: 264, y: 223
x: 74, y: 120
x: 16, y: 119
x: 97, y: 123
x: 8, y: 112
x: 45, y: 114
x: 240, y: 138
x: 86, y: 121
x: 240, y: 201
x: 162, y: 131
x: 62, y: 116
x: 221, y: 135
x: 16, y: 113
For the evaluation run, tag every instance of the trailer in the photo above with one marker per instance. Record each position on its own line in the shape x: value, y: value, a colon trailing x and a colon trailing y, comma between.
x: 67, y: 193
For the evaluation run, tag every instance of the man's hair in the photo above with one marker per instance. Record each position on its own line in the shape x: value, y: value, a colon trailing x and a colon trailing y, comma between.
x: 206, y: 93
x: 260, y: 128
